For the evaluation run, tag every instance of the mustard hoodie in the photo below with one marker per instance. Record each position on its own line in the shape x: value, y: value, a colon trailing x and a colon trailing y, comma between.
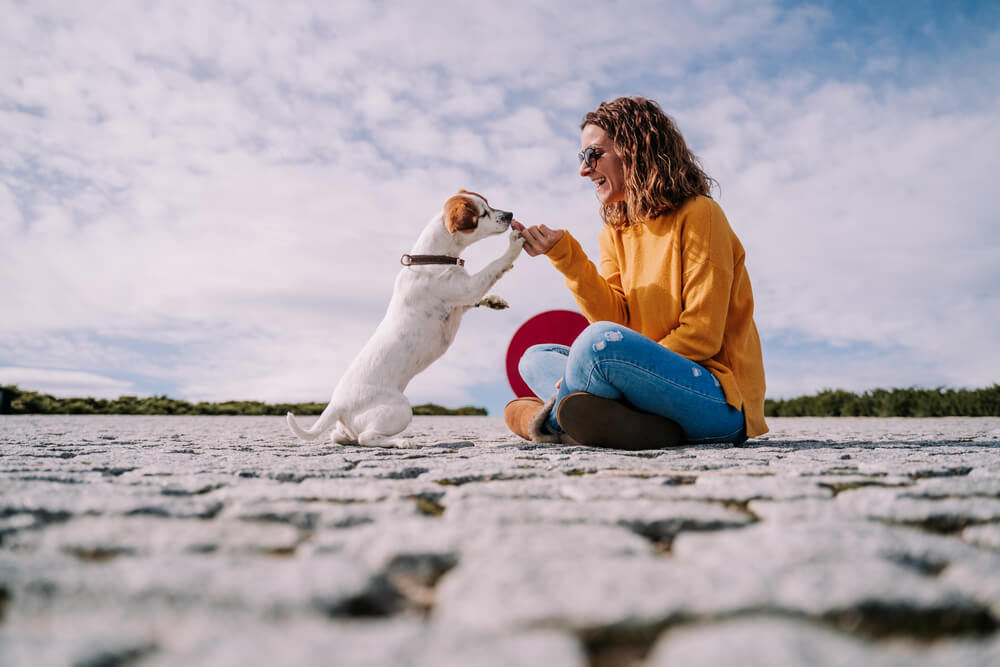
x: 679, y: 279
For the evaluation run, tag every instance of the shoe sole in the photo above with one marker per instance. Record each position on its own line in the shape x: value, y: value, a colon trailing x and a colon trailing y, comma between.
x: 603, y: 422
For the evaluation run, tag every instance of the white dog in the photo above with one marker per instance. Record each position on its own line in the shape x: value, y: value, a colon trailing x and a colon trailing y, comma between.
x: 431, y: 294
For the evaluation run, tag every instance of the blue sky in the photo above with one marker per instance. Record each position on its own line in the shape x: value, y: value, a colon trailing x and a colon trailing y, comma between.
x: 210, y: 201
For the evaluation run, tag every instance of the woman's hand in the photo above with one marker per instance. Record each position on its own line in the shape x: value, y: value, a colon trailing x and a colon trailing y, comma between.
x: 538, y: 240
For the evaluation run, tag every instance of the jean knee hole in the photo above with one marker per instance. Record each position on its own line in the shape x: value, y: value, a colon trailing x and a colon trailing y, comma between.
x: 612, y: 336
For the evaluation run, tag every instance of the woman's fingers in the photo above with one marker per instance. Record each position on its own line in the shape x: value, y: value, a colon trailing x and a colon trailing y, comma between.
x: 532, y: 241
x: 549, y: 237
x: 529, y: 236
x: 539, y: 239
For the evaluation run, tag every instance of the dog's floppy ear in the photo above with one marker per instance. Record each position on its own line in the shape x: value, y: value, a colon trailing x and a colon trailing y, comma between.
x: 460, y: 214
x: 463, y: 191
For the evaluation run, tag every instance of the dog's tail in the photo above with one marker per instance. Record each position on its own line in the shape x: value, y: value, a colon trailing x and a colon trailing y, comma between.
x: 329, y: 417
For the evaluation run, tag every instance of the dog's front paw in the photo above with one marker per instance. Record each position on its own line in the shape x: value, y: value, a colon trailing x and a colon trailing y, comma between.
x: 493, y: 302
x: 516, y: 244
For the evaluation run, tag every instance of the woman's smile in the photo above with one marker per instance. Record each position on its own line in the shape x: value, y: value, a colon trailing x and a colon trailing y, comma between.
x: 606, y: 171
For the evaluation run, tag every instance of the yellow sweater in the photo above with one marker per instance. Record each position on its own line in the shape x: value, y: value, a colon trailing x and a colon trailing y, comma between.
x: 680, y: 280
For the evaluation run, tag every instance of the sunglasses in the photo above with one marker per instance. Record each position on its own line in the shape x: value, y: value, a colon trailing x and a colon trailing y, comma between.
x: 590, y: 155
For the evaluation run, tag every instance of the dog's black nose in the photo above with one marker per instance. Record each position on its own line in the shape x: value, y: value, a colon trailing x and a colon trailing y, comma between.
x: 506, y: 216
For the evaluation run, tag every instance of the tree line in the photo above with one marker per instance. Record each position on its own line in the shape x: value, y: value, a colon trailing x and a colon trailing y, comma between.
x: 21, y: 402
x: 908, y: 402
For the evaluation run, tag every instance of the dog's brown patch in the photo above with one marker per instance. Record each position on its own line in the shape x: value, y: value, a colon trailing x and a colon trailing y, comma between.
x: 460, y: 214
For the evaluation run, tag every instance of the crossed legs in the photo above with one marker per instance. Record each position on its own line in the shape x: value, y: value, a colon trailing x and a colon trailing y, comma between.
x: 612, y: 361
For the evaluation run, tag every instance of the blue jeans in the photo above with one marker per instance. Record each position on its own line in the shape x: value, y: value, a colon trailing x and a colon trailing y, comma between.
x: 612, y: 361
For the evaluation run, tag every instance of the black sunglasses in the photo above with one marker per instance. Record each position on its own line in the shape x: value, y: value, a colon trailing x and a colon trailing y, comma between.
x: 590, y: 155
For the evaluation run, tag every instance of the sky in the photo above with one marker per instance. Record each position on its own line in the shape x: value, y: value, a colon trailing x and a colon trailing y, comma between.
x: 209, y: 200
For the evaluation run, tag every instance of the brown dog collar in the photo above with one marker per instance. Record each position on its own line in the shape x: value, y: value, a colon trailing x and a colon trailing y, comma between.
x: 410, y: 260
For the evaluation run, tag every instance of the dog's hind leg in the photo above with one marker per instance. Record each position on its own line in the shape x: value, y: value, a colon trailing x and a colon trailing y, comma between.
x: 392, y: 415
x: 341, y: 436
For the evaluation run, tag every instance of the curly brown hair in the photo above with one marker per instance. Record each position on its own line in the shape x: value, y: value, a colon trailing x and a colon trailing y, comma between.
x: 661, y: 172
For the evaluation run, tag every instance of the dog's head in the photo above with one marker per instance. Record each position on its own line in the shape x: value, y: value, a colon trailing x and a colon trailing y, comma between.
x: 468, y: 212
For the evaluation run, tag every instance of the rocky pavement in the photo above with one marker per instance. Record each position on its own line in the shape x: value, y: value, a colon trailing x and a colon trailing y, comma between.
x: 225, y: 541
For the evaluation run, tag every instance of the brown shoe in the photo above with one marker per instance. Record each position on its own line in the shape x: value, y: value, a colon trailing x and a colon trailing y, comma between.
x: 603, y: 422
x: 526, y: 417
x: 518, y: 414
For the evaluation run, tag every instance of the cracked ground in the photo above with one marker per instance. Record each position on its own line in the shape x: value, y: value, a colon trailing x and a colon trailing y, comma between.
x: 225, y: 541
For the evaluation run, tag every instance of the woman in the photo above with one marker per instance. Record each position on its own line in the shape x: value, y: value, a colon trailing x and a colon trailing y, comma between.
x: 673, y: 354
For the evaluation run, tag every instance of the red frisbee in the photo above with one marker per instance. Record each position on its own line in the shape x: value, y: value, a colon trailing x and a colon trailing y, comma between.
x: 552, y: 326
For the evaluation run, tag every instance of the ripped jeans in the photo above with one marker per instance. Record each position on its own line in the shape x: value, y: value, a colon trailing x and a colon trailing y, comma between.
x: 612, y: 361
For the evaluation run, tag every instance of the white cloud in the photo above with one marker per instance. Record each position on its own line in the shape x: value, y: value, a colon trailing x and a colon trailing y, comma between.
x: 10, y: 216
x: 64, y: 384
x: 234, y: 183
x: 856, y: 218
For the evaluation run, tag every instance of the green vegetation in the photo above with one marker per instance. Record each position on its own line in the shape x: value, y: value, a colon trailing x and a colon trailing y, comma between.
x: 19, y: 401
x: 430, y: 409
x: 910, y: 402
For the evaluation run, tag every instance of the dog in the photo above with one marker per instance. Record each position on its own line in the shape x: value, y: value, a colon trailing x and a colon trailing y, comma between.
x: 430, y: 295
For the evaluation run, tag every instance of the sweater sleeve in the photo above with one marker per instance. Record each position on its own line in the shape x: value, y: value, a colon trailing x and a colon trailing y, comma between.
x: 599, y: 294
x: 706, y: 286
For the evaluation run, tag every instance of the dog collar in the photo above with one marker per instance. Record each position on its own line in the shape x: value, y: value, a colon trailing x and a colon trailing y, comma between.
x: 408, y: 260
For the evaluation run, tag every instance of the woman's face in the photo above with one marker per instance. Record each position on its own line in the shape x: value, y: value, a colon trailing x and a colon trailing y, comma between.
x: 608, y: 172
